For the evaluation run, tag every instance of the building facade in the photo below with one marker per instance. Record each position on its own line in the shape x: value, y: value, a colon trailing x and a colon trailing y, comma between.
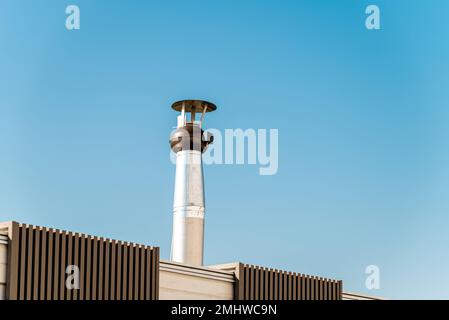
x: 38, y: 263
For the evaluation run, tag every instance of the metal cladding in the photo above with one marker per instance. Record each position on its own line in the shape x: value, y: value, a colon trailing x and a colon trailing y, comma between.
x: 189, y: 141
x: 3, y: 265
x: 108, y: 269
x: 259, y: 283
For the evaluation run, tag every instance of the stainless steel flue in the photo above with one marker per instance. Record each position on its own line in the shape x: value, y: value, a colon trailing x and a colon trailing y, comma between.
x: 189, y: 141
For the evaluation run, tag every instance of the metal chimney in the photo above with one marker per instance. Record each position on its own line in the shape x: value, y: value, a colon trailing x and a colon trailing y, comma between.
x: 189, y: 141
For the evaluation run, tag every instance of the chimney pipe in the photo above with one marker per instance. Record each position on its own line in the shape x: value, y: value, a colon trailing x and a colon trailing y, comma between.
x: 189, y: 141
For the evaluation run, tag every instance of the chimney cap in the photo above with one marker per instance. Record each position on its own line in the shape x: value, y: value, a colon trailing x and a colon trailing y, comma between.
x: 194, y: 105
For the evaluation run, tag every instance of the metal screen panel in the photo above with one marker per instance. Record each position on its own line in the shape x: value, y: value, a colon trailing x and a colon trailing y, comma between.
x: 259, y: 283
x: 108, y: 269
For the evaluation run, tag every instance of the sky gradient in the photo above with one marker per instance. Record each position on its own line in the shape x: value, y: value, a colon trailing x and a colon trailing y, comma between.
x: 362, y: 117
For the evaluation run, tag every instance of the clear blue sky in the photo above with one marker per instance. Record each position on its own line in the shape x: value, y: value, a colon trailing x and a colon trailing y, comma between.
x: 362, y: 116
